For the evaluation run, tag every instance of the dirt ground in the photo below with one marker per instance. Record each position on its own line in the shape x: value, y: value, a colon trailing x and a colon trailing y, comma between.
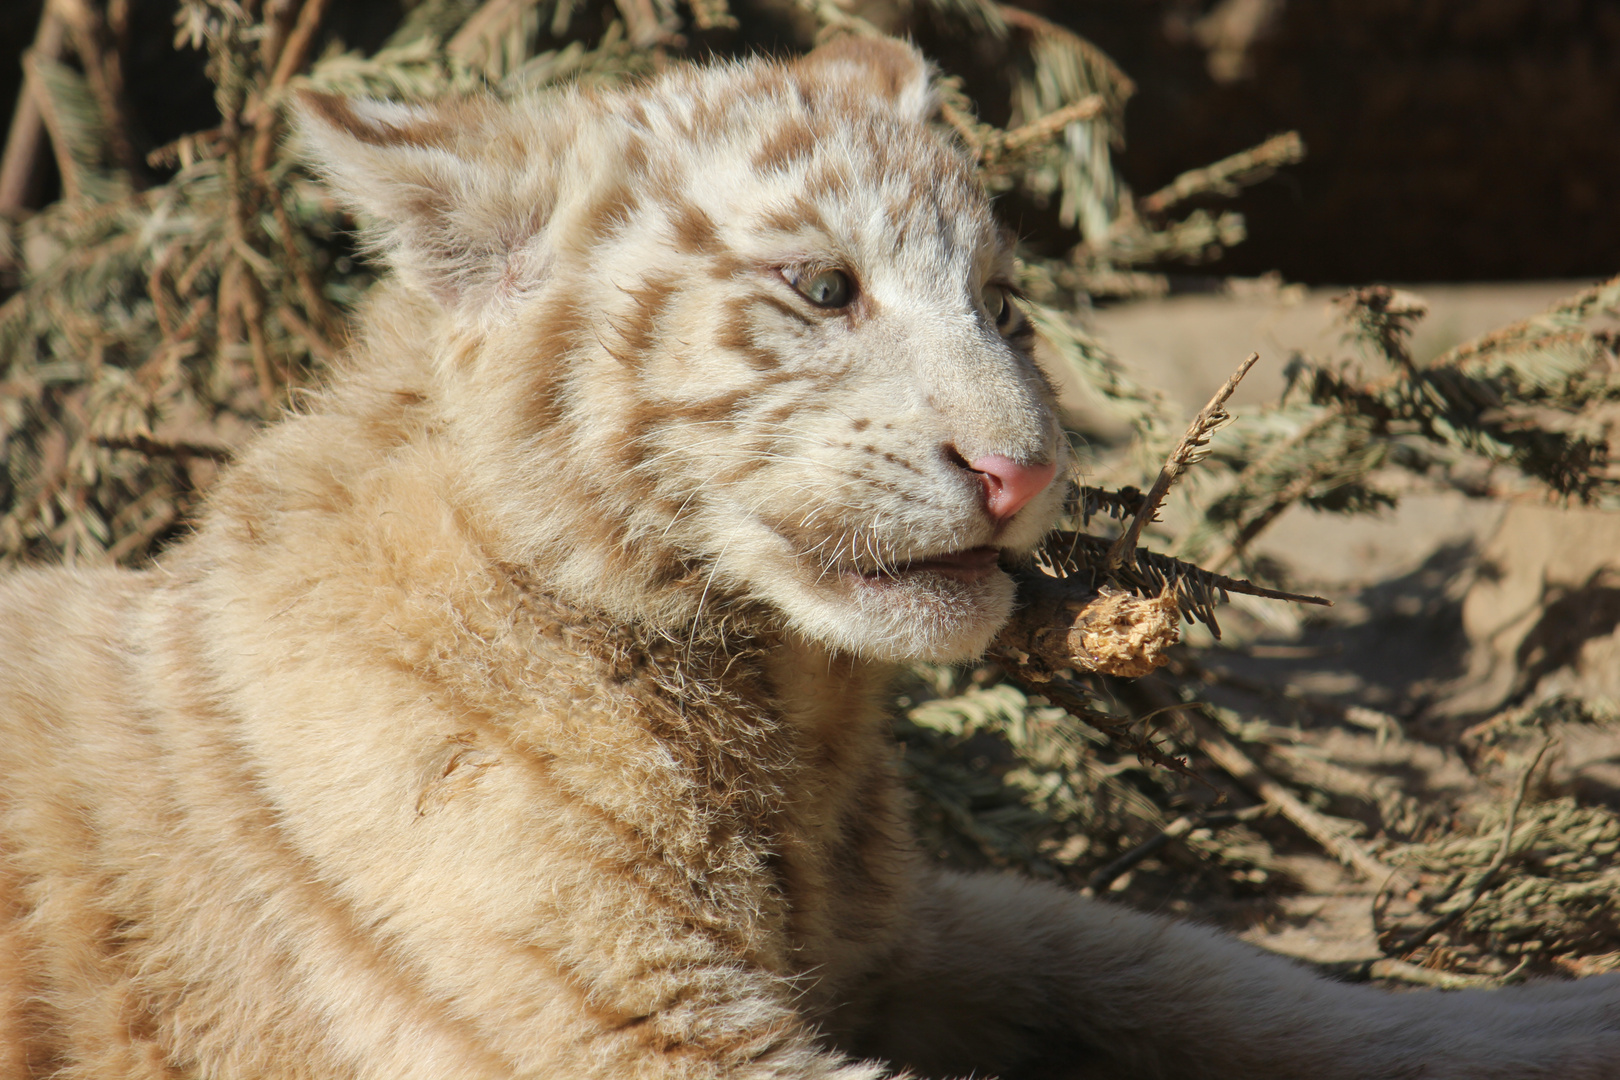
x: 1450, y: 613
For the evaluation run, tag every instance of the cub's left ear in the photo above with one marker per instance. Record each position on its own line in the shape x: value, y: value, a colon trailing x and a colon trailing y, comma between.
x: 420, y: 178
x: 886, y: 67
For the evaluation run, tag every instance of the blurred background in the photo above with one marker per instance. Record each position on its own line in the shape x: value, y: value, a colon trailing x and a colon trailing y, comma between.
x: 1449, y: 140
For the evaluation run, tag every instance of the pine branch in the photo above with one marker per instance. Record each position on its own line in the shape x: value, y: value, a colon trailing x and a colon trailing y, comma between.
x: 1487, y: 877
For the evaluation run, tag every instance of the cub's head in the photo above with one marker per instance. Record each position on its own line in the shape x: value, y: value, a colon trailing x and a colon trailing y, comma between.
x: 741, y: 335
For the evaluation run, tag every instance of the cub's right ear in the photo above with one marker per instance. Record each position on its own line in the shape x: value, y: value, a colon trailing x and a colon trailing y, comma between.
x: 417, y: 177
x: 892, y: 70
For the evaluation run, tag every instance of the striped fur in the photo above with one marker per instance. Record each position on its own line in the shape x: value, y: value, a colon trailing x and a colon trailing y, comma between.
x: 515, y: 709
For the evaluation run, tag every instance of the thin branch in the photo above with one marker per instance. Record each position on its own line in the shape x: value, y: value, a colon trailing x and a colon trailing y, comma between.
x: 34, y: 88
x: 25, y: 140
x: 289, y: 60
x: 299, y: 42
x: 1401, y: 971
x: 1485, y: 343
x: 1031, y: 23
x: 1209, y: 418
x: 178, y: 449
x: 1045, y: 127
x: 1228, y: 175
x: 318, y: 345
x: 1081, y: 561
x: 327, y: 321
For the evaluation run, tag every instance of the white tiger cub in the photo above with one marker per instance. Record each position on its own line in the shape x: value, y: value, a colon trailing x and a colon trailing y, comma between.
x: 515, y: 709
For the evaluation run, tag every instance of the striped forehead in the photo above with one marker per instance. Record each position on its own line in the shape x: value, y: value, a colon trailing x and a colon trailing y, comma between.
x: 834, y: 170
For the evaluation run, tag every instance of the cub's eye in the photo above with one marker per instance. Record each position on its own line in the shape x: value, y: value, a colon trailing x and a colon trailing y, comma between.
x: 999, y: 306
x: 826, y: 288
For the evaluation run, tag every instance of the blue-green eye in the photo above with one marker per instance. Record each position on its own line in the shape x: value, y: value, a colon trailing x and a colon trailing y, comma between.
x: 826, y: 288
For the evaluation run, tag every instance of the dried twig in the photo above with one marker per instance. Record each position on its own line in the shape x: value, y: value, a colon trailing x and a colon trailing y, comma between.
x: 1045, y: 127
x: 1187, y: 451
x: 1227, y: 176
x: 992, y: 146
x: 179, y: 449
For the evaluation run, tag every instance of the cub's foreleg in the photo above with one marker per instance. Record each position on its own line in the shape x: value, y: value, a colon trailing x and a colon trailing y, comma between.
x: 1019, y: 979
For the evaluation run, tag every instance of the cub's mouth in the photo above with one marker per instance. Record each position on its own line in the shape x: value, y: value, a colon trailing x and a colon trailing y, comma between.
x: 970, y: 565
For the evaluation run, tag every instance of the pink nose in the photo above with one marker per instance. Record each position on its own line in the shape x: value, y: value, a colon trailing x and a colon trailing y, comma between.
x: 1008, y: 486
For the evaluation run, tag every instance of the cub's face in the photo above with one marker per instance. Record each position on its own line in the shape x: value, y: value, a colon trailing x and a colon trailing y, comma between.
x: 744, y: 335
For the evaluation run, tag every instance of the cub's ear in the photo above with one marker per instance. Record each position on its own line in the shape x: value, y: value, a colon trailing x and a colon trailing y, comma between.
x: 885, y: 67
x: 433, y: 203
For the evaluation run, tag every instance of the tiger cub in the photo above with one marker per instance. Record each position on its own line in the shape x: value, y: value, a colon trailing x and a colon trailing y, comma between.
x: 515, y: 709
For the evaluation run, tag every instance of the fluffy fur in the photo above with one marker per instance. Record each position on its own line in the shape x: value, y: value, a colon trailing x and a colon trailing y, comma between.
x: 515, y: 709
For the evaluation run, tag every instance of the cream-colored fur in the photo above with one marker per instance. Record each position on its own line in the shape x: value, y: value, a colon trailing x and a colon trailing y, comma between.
x: 515, y: 709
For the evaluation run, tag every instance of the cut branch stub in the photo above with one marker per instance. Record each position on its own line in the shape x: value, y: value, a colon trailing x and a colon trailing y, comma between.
x: 1111, y: 631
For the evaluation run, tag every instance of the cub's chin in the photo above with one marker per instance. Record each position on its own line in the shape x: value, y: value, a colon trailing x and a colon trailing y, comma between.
x: 943, y: 609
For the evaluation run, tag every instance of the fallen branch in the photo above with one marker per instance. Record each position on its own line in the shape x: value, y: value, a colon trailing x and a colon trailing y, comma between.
x: 1240, y: 767
x: 1401, y: 971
